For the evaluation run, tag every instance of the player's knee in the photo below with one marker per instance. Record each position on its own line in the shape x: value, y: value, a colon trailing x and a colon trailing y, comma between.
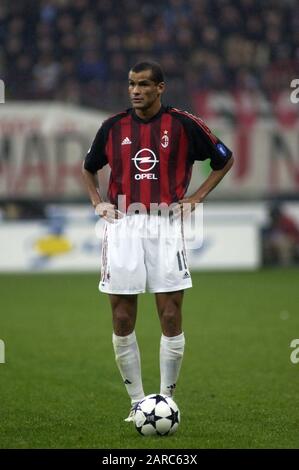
x: 123, y: 322
x: 170, y: 314
x: 170, y: 318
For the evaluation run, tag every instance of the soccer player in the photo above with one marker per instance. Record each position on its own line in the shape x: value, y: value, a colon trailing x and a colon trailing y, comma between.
x: 150, y: 149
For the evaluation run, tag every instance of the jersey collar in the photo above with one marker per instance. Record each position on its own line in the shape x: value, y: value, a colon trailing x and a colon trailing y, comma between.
x: 146, y: 121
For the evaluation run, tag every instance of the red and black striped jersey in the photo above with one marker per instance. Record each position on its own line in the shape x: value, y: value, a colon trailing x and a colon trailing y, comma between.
x: 151, y: 161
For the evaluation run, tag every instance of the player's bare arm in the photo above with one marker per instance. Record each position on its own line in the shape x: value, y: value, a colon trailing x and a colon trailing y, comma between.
x: 208, y: 185
x: 90, y: 181
x: 102, y: 209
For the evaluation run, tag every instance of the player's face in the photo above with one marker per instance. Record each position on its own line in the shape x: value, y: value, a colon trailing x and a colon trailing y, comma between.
x: 143, y: 91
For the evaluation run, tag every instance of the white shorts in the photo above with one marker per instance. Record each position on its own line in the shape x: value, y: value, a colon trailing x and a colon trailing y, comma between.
x: 143, y: 252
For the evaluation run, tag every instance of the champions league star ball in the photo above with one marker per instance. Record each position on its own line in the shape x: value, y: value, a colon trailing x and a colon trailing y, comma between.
x: 157, y: 414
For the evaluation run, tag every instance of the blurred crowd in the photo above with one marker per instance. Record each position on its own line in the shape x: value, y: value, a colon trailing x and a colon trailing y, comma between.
x: 79, y: 51
x: 280, y: 238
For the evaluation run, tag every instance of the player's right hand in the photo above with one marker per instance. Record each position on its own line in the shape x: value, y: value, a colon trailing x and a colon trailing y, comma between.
x: 108, y: 211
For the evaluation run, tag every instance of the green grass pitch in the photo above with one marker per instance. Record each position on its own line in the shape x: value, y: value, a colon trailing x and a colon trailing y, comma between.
x: 60, y: 387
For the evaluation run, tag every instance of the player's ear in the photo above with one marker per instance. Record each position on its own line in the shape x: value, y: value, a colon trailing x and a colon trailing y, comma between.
x: 161, y: 87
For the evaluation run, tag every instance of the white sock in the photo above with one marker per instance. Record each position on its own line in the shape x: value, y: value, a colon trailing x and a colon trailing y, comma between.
x: 127, y: 357
x: 171, y: 356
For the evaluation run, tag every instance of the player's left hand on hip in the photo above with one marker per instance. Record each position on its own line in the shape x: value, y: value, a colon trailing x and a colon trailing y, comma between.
x: 108, y: 211
x: 184, y: 207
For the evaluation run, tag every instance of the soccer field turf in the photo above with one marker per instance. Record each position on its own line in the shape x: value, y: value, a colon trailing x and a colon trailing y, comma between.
x: 60, y: 387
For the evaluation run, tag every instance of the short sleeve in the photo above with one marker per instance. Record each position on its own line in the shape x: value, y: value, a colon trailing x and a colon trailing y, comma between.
x: 205, y: 145
x: 96, y: 157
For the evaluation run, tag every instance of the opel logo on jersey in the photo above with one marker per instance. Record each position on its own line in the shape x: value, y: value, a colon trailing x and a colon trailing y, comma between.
x: 145, y: 160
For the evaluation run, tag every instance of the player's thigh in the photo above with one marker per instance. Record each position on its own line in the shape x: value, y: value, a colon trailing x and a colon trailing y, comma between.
x: 167, y: 300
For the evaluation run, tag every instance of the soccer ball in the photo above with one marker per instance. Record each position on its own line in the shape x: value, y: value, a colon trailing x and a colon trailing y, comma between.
x: 157, y: 414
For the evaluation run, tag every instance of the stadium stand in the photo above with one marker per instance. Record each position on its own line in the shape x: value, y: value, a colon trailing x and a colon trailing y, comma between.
x: 79, y: 51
